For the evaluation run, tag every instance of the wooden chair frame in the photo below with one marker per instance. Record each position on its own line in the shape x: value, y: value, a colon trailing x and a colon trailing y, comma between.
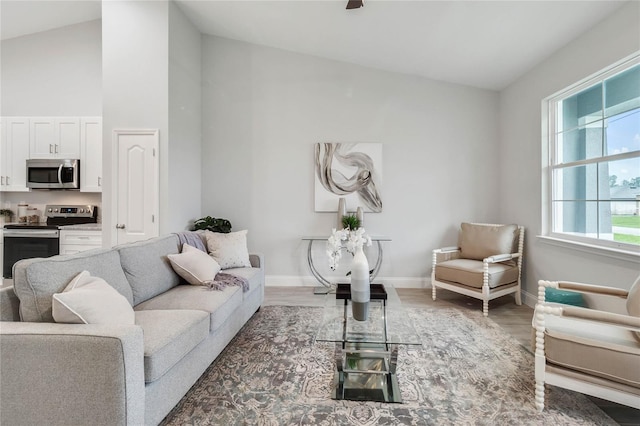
x: 486, y: 294
x: 544, y: 375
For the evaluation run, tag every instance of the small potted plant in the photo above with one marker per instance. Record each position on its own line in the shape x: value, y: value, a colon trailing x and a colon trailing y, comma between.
x: 5, y: 216
x: 212, y: 224
x: 350, y: 222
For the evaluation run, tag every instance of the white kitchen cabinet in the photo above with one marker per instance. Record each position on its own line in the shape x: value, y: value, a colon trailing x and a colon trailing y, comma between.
x: 55, y: 137
x: 14, y: 152
x: 91, y: 154
x: 74, y: 241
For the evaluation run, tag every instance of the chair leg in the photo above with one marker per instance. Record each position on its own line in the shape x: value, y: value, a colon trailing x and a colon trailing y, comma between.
x: 433, y: 291
x: 518, y: 298
x: 540, y: 395
x: 485, y: 308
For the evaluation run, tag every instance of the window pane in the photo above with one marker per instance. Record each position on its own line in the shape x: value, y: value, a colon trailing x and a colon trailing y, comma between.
x: 624, y: 179
x: 576, y: 218
x: 580, y: 144
x: 576, y: 183
x: 580, y: 109
x: 623, y: 133
x: 622, y: 92
x: 625, y: 222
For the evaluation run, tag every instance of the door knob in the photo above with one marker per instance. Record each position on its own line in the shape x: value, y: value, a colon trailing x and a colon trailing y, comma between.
x: 120, y: 226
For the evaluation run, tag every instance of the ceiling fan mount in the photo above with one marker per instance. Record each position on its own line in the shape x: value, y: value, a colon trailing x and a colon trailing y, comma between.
x: 355, y: 4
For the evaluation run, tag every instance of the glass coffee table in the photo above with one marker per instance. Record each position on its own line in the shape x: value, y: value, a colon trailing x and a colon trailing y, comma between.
x: 366, y: 352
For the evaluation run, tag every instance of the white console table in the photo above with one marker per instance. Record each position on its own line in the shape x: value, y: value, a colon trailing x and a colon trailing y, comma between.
x: 327, y: 285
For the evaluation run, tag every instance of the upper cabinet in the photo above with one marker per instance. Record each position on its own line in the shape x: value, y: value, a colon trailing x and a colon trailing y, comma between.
x: 91, y: 154
x: 55, y: 137
x: 14, y: 152
x: 22, y: 138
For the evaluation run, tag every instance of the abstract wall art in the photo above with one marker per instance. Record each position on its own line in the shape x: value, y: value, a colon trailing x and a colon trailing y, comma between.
x: 349, y: 170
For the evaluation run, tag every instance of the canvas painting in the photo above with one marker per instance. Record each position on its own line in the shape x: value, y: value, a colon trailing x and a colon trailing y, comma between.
x: 349, y: 170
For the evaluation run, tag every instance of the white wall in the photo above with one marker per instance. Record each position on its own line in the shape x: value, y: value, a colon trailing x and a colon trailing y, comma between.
x: 521, y: 148
x: 185, y: 113
x: 135, y: 54
x: 53, y: 73
x: 263, y: 110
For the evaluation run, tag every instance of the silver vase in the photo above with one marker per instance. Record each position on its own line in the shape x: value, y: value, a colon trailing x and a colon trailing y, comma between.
x: 342, y: 211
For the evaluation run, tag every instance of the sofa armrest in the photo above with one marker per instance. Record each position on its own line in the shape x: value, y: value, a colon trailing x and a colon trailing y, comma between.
x: 61, y: 374
x: 444, y: 254
x: 257, y: 260
x: 9, y: 305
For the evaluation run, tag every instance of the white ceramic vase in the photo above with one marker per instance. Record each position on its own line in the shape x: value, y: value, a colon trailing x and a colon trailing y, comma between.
x: 360, y: 288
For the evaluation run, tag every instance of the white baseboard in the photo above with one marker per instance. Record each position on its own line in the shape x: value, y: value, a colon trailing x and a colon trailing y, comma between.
x: 529, y: 299
x: 309, y: 281
x: 398, y: 282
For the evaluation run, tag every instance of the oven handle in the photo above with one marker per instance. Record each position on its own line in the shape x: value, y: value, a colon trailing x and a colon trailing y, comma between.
x: 34, y: 233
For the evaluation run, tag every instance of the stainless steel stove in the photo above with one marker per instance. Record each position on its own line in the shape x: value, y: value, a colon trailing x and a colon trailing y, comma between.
x: 28, y: 240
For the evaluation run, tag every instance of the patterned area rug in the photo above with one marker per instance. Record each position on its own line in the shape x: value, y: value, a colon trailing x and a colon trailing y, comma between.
x: 468, y: 371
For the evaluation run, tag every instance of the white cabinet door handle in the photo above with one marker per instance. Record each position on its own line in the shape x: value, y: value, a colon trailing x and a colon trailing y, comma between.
x: 120, y: 226
x: 1, y: 180
x: 56, y: 148
x: 99, y: 181
x: 50, y: 148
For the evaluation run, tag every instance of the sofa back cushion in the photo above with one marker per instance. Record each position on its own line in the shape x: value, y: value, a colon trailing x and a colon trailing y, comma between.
x: 147, y: 268
x: 36, y: 280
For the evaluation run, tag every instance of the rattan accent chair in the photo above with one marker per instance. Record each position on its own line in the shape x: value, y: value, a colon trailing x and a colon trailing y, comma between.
x: 594, y: 349
x: 486, y: 264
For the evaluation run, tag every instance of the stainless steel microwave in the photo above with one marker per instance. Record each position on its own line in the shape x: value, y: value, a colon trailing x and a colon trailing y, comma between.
x: 53, y: 174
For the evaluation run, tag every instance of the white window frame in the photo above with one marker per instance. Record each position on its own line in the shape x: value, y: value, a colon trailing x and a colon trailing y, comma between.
x: 549, y: 116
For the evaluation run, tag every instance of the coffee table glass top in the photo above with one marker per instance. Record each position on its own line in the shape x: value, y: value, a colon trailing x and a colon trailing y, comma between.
x: 388, y: 322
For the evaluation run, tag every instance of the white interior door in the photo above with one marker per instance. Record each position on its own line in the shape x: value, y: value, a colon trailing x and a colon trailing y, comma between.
x: 137, y: 185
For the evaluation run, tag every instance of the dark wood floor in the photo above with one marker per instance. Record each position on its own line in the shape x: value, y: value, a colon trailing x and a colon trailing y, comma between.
x: 514, y: 319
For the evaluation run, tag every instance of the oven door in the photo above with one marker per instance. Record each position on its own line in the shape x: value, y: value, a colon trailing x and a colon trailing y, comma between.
x: 27, y: 243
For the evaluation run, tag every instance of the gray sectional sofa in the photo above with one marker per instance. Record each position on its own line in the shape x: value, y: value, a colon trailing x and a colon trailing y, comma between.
x: 77, y: 374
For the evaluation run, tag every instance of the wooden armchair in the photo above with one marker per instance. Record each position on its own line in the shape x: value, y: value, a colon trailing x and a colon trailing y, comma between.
x: 593, y: 350
x: 487, y: 263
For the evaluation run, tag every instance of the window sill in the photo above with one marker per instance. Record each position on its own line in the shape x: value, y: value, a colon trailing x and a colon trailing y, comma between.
x: 614, y: 253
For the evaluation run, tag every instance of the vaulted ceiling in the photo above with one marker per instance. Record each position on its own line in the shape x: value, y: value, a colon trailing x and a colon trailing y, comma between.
x: 485, y: 44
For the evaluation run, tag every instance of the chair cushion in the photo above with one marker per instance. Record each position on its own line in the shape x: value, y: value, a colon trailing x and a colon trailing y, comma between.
x: 633, y: 301
x: 220, y: 304
x: 168, y: 336
x: 481, y: 241
x: 469, y: 272
x: 598, y: 349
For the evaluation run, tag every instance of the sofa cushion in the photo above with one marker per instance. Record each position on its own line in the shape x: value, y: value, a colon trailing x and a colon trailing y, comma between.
x: 147, y: 267
x: 481, y: 241
x: 220, y: 304
x: 230, y: 249
x: 90, y: 300
x: 36, y: 280
x: 602, y: 350
x: 470, y: 273
x: 252, y: 275
x: 194, y: 265
x: 168, y: 336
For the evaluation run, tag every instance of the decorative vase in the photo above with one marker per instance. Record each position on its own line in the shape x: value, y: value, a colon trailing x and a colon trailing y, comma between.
x: 360, y: 216
x: 360, y: 288
x: 342, y: 211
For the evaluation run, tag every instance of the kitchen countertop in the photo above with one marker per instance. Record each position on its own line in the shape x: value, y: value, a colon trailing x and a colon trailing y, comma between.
x: 82, y: 227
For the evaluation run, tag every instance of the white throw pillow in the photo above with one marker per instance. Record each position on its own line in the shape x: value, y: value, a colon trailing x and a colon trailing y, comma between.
x: 194, y: 265
x: 90, y: 300
x: 230, y: 250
